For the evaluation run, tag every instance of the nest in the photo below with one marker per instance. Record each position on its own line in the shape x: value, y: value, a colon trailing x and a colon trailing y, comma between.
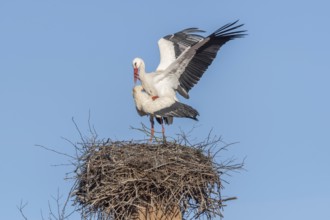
x: 118, y: 180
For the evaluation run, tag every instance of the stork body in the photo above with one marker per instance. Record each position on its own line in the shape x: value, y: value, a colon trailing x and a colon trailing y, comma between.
x: 163, y: 108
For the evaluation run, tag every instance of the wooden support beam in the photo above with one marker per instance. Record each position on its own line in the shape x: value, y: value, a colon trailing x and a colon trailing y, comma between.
x: 152, y: 213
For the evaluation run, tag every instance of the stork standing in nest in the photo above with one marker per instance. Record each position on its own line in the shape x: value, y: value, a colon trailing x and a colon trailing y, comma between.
x: 184, y: 57
x: 162, y: 108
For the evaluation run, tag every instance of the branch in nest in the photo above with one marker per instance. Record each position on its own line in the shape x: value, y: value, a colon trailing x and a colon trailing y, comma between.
x: 116, y: 178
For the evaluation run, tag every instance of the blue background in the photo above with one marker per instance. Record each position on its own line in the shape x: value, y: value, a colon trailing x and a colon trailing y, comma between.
x: 269, y: 91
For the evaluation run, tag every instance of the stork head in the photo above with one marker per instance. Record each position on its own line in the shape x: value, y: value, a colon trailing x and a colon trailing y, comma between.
x: 137, y: 89
x: 138, y: 98
x: 137, y: 63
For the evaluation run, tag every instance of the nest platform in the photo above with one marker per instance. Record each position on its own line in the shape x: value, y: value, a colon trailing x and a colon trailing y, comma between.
x: 131, y: 180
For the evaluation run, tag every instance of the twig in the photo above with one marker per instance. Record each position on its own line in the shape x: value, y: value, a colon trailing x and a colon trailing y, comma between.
x: 21, y: 209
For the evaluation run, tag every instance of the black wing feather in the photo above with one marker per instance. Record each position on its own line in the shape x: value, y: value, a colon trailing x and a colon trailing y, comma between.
x: 184, y: 39
x: 206, y: 53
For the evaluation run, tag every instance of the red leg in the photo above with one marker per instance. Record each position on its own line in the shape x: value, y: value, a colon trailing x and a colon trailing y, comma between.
x: 163, y: 130
x: 152, y: 123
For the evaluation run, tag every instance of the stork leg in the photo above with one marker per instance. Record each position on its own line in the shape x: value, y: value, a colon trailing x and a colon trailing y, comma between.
x: 163, y: 129
x: 152, y: 123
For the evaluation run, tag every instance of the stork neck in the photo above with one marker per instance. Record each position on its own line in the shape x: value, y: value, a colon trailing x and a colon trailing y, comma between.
x: 142, y: 70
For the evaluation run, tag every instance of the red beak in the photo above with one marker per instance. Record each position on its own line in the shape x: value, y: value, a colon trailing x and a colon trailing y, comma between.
x: 136, y: 74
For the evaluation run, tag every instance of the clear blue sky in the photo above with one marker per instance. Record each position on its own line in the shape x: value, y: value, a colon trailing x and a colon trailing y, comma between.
x: 269, y: 91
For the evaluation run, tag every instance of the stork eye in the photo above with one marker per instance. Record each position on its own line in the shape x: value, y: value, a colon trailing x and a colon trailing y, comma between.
x: 135, y: 64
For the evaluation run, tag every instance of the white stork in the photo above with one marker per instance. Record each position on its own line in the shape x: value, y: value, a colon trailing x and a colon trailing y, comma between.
x: 184, y: 57
x: 163, y: 108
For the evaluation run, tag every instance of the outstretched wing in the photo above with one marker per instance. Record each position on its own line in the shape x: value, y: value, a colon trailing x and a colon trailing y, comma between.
x: 172, y: 46
x: 192, y: 64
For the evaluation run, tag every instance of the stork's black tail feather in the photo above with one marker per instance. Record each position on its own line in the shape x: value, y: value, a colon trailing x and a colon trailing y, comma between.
x: 179, y: 110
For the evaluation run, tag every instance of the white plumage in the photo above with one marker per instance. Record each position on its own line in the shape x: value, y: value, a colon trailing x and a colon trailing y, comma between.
x: 163, y: 108
x: 145, y: 105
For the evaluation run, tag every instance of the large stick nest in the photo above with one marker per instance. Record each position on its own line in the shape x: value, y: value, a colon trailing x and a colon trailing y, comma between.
x: 116, y: 179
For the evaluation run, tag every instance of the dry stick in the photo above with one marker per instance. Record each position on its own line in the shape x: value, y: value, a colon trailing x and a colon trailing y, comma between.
x: 114, y: 178
x: 21, y: 209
